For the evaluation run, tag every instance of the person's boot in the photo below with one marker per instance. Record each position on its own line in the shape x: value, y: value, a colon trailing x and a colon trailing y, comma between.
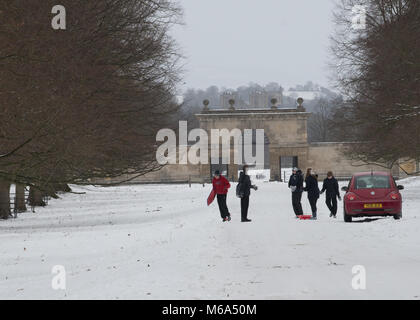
x: 246, y: 220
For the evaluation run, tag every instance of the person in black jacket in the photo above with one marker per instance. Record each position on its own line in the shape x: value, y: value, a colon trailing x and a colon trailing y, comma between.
x: 331, y: 187
x: 311, y: 186
x: 245, y: 189
x: 296, y: 186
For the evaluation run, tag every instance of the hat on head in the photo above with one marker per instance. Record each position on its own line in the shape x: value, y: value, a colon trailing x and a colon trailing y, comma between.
x: 217, y: 172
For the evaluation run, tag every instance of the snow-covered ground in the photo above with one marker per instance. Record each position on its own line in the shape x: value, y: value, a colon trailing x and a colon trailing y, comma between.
x: 162, y: 242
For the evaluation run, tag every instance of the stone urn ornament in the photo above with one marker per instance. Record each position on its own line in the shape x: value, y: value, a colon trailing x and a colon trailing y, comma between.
x: 274, y: 103
x: 206, y: 105
x: 300, y: 104
x: 232, y: 104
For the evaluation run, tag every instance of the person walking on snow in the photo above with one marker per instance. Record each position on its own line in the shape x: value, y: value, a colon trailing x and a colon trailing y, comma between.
x: 245, y: 186
x: 296, y: 186
x: 311, y: 186
x: 332, y: 192
x: 220, y: 187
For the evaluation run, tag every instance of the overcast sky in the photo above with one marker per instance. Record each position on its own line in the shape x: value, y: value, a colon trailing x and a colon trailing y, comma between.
x: 233, y: 42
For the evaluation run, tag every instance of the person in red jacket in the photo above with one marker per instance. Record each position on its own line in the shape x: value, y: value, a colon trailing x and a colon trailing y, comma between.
x: 220, y: 187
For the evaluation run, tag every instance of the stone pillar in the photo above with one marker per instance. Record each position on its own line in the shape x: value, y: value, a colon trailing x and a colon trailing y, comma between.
x: 205, y: 172
x: 233, y: 172
x: 205, y: 168
x: 233, y: 168
x: 275, y: 174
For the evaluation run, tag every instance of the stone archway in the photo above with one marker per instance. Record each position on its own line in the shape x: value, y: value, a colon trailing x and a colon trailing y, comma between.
x: 286, y: 130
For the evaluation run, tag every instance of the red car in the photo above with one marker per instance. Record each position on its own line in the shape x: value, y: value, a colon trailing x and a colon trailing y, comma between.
x: 372, y: 194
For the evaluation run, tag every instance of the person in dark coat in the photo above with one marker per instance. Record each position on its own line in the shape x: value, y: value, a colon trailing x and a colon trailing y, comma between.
x: 220, y: 187
x: 296, y: 186
x: 311, y: 186
x: 245, y: 188
x: 332, y: 192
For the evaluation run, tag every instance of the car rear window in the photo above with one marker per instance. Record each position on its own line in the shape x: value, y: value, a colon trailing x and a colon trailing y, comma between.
x: 372, y: 182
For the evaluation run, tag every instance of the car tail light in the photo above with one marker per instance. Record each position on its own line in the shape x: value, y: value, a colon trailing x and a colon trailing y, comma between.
x: 351, y: 196
x: 394, y: 196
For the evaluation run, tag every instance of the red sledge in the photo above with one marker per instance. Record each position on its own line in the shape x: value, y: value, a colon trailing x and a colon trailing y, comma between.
x: 305, y: 217
x: 211, y: 197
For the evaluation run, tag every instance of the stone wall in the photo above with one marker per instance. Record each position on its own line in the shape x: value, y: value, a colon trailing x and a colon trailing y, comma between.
x: 172, y: 173
x: 328, y: 156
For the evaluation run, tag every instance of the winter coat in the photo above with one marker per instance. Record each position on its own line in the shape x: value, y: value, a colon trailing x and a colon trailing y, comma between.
x: 312, y: 187
x: 331, y: 186
x: 221, y: 185
x: 296, y: 180
x: 245, y: 184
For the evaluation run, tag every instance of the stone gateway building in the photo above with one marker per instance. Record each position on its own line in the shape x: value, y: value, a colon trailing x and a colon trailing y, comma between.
x: 286, y: 146
x: 286, y: 142
x: 285, y: 132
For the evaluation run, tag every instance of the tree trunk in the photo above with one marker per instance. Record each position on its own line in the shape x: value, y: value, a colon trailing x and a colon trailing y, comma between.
x: 50, y: 191
x: 4, y: 199
x: 35, y: 197
x: 20, y: 204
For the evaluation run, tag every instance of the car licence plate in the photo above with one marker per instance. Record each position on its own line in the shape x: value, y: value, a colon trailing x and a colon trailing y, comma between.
x: 373, y: 206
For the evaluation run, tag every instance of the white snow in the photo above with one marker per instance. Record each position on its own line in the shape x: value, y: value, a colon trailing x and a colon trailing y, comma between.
x: 162, y: 242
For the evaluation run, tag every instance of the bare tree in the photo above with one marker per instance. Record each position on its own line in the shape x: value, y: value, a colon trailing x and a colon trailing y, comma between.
x: 320, y: 123
x: 85, y: 102
x: 377, y: 68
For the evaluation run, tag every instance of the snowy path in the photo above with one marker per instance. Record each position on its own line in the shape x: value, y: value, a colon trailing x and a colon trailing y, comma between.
x: 160, y: 242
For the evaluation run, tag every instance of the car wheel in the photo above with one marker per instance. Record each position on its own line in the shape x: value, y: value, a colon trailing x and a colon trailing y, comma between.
x: 347, y: 218
x: 398, y: 216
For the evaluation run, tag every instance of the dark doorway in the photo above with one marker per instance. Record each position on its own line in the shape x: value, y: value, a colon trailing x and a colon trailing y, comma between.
x: 216, y: 164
